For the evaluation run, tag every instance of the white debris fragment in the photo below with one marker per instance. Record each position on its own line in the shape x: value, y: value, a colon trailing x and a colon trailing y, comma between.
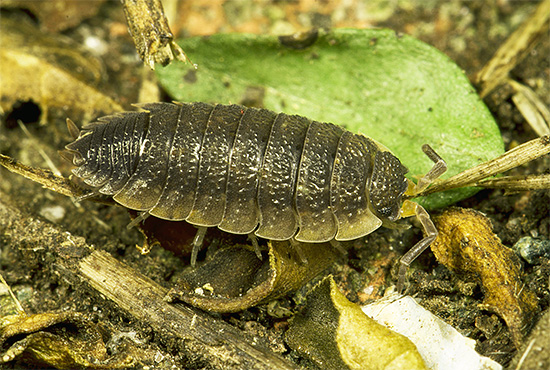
x: 441, y: 346
x: 52, y: 213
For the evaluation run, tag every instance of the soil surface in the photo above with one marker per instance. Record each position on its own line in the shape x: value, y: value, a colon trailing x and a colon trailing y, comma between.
x: 468, y: 32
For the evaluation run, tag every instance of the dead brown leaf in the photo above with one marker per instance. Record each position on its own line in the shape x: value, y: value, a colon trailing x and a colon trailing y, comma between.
x: 64, y: 340
x: 466, y: 244
x: 58, y: 15
x: 49, y: 70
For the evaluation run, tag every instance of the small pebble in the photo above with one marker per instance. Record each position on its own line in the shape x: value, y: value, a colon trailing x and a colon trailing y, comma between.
x: 530, y: 248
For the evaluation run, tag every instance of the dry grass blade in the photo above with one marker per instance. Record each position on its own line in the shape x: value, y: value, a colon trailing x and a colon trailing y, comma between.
x: 536, y: 113
x: 516, y: 183
x: 511, y: 159
x: 49, y: 180
x: 513, y: 50
x: 46, y: 178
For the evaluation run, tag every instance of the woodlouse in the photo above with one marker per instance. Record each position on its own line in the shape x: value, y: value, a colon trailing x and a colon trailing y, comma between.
x: 248, y: 171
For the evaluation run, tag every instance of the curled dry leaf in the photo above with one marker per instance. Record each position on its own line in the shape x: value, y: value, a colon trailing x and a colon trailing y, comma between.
x: 235, y: 279
x: 336, y: 334
x: 49, y: 70
x: 466, y: 244
x: 57, y: 15
x: 62, y: 340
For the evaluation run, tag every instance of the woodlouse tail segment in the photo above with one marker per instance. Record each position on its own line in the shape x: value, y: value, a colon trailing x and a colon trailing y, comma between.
x: 74, y: 131
x: 439, y: 167
x: 430, y: 232
x: 69, y: 154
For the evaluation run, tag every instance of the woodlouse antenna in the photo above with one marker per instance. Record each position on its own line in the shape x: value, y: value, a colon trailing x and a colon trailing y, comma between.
x: 410, y: 208
x: 439, y: 167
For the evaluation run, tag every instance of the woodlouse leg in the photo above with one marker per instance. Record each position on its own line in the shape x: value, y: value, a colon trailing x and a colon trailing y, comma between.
x: 338, y: 246
x: 142, y: 216
x: 197, y: 244
x: 257, y: 249
x: 86, y: 196
x: 430, y: 232
x: 296, y: 246
x: 439, y: 167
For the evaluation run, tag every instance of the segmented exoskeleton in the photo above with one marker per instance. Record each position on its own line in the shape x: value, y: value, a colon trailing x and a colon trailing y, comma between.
x: 246, y: 171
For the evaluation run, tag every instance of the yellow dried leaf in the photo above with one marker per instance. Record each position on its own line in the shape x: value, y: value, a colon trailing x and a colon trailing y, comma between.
x: 335, y: 334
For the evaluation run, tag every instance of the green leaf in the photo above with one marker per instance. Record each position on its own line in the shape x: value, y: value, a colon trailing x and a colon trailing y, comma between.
x: 392, y: 88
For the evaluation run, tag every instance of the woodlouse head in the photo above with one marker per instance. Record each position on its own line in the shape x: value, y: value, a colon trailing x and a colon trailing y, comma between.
x: 387, y: 186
